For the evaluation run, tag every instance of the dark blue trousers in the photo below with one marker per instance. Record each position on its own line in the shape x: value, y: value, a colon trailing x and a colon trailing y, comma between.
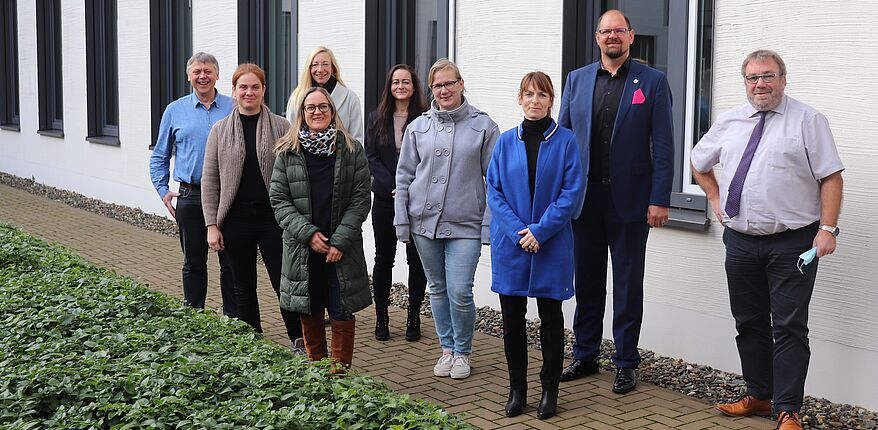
x: 599, y: 228
x: 769, y: 298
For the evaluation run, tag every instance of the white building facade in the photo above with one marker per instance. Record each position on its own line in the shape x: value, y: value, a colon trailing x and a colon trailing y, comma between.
x: 83, y: 82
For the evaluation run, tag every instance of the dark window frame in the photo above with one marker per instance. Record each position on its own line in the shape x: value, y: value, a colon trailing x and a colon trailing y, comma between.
x: 687, y: 210
x: 170, y: 38
x: 10, y: 107
x: 258, y: 26
x: 390, y: 25
x: 102, y: 66
x: 49, y: 73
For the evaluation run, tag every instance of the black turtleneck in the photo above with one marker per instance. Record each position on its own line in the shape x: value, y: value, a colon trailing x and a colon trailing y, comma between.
x: 533, y: 133
x: 330, y: 84
x: 251, y: 200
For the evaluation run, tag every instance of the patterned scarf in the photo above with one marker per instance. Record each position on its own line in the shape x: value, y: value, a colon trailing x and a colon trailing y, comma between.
x: 322, y: 143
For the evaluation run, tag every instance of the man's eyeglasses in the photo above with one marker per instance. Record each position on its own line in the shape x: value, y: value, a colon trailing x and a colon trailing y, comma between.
x: 447, y: 85
x: 323, y: 107
x: 766, y: 77
x: 621, y: 31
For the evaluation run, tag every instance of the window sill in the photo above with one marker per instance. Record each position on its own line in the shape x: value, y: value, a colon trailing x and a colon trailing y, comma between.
x: 687, y: 219
x: 51, y: 133
x: 104, y: 140
x: 10, y: 127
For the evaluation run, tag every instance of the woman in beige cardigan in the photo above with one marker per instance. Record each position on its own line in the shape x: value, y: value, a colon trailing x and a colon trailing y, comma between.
x: 238, y: 161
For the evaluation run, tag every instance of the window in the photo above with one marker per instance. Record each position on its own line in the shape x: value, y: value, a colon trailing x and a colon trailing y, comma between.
x: 102, y: 71
x: 51, y: 102
x: 170, y: 38
x: 676, y: 37
x: 400, y: 31
x: 267, y: 32
x: 9, y: 108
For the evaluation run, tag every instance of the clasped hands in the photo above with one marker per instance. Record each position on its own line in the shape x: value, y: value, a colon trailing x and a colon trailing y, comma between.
x: 319, y: 244
x: 528, y: 242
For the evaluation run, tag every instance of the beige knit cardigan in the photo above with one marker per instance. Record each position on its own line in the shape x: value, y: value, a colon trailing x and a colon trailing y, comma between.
x: 224, y: 160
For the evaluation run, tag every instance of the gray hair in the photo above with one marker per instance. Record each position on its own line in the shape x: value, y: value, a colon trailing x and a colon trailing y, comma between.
x: 202, y: 57
x: 761, y: 55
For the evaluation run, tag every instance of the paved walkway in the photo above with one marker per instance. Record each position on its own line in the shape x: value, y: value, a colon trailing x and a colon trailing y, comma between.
x: 406, y: 367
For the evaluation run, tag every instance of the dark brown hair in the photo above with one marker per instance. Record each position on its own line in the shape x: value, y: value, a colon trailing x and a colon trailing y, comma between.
x: 382, y: 124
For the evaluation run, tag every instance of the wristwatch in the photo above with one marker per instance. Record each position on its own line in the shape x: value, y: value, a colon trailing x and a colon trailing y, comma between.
x: 830, y: 228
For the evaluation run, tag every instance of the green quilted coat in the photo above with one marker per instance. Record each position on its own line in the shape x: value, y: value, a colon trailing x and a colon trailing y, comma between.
x: 290, y: 194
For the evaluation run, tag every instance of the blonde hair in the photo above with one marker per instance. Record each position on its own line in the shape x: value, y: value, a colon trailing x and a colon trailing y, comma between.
x: 442, y: 64
x: 290, y: 141
x: 306, y: 81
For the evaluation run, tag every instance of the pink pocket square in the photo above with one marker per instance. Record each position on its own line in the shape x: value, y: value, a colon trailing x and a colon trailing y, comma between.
x: 638, y: 98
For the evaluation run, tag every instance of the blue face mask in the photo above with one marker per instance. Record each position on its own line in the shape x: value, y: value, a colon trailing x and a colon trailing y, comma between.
x: 806, y: 258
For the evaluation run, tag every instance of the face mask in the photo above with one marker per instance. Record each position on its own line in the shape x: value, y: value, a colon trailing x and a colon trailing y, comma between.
x: 806, y: 258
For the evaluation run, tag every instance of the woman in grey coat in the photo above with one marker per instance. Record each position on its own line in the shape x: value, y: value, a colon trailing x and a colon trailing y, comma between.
x: 440, y: 201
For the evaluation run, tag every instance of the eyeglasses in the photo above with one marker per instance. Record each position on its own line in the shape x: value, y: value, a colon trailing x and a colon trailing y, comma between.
x: 323, y: 107
x: 447, y: 85
x: 619, y: 31
x: 316, y: 66
x: 766, y: 77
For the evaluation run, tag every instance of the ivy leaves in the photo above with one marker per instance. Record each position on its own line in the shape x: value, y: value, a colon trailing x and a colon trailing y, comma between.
x: 81, y: 347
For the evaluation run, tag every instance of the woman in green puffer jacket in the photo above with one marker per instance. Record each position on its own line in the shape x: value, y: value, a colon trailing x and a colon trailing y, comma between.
x: 320, y: 195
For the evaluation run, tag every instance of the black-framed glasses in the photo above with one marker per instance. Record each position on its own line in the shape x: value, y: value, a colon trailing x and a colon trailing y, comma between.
x: 766, y: 77
x: 620, y: 31
x: 323, y: 107
x: 447, y: 85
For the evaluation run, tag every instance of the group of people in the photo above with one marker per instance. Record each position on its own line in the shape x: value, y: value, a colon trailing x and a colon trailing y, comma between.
x: 445, y: 181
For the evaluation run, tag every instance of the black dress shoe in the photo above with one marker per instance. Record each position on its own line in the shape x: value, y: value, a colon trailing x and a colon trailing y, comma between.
x: 548, y: 404
x: 515, y: 404
x: 578, y: 369
x: 626, y: 380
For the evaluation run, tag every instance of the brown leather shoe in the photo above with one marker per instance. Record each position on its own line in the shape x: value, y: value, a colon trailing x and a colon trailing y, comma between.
x: 746, y: 406
x: 788, y: 421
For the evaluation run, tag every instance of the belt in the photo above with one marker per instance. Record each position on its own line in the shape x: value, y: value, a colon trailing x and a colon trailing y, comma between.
x: 190, y: 186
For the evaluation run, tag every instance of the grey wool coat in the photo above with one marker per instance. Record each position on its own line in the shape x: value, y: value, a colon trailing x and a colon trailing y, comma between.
x: 224, y: 160
x: 290, y: 194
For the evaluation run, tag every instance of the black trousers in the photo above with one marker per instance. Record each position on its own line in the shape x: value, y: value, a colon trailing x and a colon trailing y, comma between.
x: 244, y: 232
x: 769, y: 299
x: 515, y: 340
x: 193, y: 242
x: 385, y: 254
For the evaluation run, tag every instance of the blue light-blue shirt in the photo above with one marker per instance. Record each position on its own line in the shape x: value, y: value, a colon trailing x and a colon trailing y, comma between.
x: 185, y: 125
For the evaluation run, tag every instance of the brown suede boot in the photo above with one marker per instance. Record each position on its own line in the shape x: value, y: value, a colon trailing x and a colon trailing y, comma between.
x: 342, y: 344
x: 315, y: 336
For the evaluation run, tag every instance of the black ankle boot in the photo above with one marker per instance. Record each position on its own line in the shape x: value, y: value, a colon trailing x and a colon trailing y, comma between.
x: 382, y: 320
x: 413, y: 324
x: 517, y: 401
x: 548, y: 403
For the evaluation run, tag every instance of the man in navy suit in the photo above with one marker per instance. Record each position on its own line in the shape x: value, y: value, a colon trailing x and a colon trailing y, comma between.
x: 620, y: 111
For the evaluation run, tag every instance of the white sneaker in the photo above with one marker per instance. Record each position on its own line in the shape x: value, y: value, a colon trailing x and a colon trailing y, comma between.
x: 460, y: 368
x: 443, y: 366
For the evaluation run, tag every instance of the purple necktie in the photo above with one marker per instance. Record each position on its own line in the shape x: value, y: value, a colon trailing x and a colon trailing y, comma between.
x: 733, y: 202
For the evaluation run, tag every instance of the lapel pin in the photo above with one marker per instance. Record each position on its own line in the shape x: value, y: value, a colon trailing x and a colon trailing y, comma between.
x: 636, y: 81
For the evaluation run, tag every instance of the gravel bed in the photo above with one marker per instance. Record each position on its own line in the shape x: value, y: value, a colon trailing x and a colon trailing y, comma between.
x: 694, y: 380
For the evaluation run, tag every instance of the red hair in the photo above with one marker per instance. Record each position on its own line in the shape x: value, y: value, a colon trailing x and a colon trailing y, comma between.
x: 246, y: 68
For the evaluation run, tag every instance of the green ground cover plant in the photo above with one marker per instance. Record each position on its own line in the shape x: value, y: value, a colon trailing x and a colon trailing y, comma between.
x: 83, y: 348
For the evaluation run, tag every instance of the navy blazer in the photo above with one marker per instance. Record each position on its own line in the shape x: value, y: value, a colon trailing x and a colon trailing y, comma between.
x: 642, y: 147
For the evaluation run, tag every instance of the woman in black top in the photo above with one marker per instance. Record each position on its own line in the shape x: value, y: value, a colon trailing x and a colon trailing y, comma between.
x: 238, y: 162
x: 401, y: 102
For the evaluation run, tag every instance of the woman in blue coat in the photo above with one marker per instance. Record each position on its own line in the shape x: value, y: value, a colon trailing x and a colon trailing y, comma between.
x: 534, y: 184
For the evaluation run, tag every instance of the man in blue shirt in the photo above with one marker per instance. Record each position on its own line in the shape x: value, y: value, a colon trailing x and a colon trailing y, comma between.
x: 183, y: 133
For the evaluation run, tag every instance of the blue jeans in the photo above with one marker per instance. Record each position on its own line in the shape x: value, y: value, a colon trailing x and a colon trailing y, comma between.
x: 450, y: 267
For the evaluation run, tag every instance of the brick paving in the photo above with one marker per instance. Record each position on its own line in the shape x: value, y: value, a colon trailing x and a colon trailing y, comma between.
x: 406, y: 367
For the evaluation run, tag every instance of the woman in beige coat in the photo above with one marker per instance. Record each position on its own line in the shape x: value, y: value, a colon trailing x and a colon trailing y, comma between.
x: 238, y: 161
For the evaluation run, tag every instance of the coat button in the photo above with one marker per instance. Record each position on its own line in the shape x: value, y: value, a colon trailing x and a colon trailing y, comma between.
x: 434, y: 179
x: 448, y: 232
x: 423, y: 230
x: 438, y: 152
x: 448, y: 129
x: 446, y: 152
x: 441, y: 128
x: 429, y: 206
x: 441, y: 180
x: 438, y: 206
